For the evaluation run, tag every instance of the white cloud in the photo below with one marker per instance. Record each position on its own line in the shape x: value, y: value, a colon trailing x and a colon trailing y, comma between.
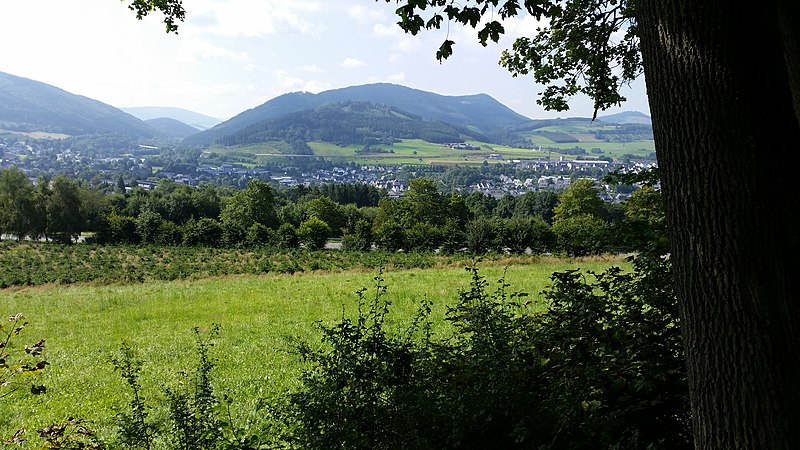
x: 310, y: 68
x: 291, y: 82
x: 363, y: 15
x: 383, y: 30
x: 250, y: 18
x: 316, y: 86
x: 353, y: 63
x: 397, y: 77
x: 407, y: 45
x: 193, y: 49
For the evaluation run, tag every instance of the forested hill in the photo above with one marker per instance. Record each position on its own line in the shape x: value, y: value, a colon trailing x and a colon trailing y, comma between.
x: 348, y: 123
x: 28, y: 105
x: 171, y: 127
x: 479, y: 112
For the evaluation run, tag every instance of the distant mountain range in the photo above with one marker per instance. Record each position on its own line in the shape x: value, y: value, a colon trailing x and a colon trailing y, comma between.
x: 352, y: 115
x: 191, y: 118
x: 171, y: 127
x: 626, y: 117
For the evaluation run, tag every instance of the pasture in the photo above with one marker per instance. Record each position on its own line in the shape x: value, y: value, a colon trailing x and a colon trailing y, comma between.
x: 262, y: 318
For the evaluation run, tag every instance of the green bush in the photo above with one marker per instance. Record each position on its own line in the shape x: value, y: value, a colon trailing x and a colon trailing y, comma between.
x: 602, y: 367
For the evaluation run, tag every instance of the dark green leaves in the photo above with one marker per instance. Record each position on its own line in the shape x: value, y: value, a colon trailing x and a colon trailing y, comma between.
x: 445, y: 50
x: 172, y: 9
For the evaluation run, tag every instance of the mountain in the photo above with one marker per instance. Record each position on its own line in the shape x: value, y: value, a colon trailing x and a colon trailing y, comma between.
x: 479, y: 112
x: 348, y: 123
x: 626, y: 117
x: 171, y: 127
x: 28, y: 105
x: 191, y: 118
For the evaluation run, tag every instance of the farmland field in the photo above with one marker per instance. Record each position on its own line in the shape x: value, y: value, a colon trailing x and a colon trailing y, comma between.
x: 415, y: 151
x: 262, y: 317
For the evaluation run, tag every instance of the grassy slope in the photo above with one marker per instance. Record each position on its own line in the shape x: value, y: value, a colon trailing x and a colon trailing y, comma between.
x: 261, y: 319
x: 585, y: 133
x: 427, y: 153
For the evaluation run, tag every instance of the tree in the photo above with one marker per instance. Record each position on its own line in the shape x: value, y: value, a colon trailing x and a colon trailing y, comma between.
x: 536, y: 204
x: 644, y: 227
x: 65, y: 220
x: 581, y: 198
x: 732, y: 213
x: 313, y: 233
x: 149, y: 227
x: 326, y: 210
x: 581, y: 235
x: 360, y: 239
x: 254, y: 204
x: 172, y: 9
x: 16, y: 203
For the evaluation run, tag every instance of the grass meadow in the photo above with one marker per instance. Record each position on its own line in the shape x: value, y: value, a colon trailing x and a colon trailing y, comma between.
x: 415, y: 151
x: 261, y: 319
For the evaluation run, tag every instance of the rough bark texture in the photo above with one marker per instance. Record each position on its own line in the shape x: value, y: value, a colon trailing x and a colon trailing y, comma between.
x: 720, y: 89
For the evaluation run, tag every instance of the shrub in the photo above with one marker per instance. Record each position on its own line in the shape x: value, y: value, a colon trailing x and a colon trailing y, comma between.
x: 602, y: 367
x: 258, y: 235
x: 198, y: 417
x: 19, y: 364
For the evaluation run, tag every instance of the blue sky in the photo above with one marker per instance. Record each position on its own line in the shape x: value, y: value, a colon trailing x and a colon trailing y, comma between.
x: 233, y: 55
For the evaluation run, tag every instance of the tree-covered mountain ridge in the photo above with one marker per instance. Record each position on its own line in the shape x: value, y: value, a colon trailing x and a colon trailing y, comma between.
x: 479, y: 112
x: 27, y: 105
x: 350, y: 123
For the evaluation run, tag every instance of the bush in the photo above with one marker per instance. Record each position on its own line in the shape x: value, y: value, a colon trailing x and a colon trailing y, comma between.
x: 258, y: 235
x: 601, y: 368
x: 20, y: 365
x: 197, y: 417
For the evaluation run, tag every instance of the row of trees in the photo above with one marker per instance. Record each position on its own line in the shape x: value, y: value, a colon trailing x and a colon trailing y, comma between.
x: 575, y: 222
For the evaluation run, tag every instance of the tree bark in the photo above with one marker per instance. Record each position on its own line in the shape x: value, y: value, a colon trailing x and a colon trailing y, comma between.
x: 722, y: 86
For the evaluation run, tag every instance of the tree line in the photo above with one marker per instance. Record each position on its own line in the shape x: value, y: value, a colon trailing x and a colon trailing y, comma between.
x: 573, y: 222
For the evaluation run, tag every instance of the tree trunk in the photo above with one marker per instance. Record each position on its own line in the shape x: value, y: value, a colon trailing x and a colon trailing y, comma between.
x: 720, y: 80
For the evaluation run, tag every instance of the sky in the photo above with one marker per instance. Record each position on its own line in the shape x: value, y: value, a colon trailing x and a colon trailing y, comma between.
x: 233, y: 55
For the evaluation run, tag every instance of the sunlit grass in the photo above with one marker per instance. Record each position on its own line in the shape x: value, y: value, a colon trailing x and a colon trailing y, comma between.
x: 261, y: 317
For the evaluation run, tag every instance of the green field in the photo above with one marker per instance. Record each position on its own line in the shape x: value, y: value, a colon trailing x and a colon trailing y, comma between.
x: 261, y: 318
x: 587, y: 140
x: 415, y: 151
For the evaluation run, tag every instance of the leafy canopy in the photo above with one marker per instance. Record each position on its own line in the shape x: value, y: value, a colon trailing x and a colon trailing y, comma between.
x: 172, y: 9
x: 583, y: 46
